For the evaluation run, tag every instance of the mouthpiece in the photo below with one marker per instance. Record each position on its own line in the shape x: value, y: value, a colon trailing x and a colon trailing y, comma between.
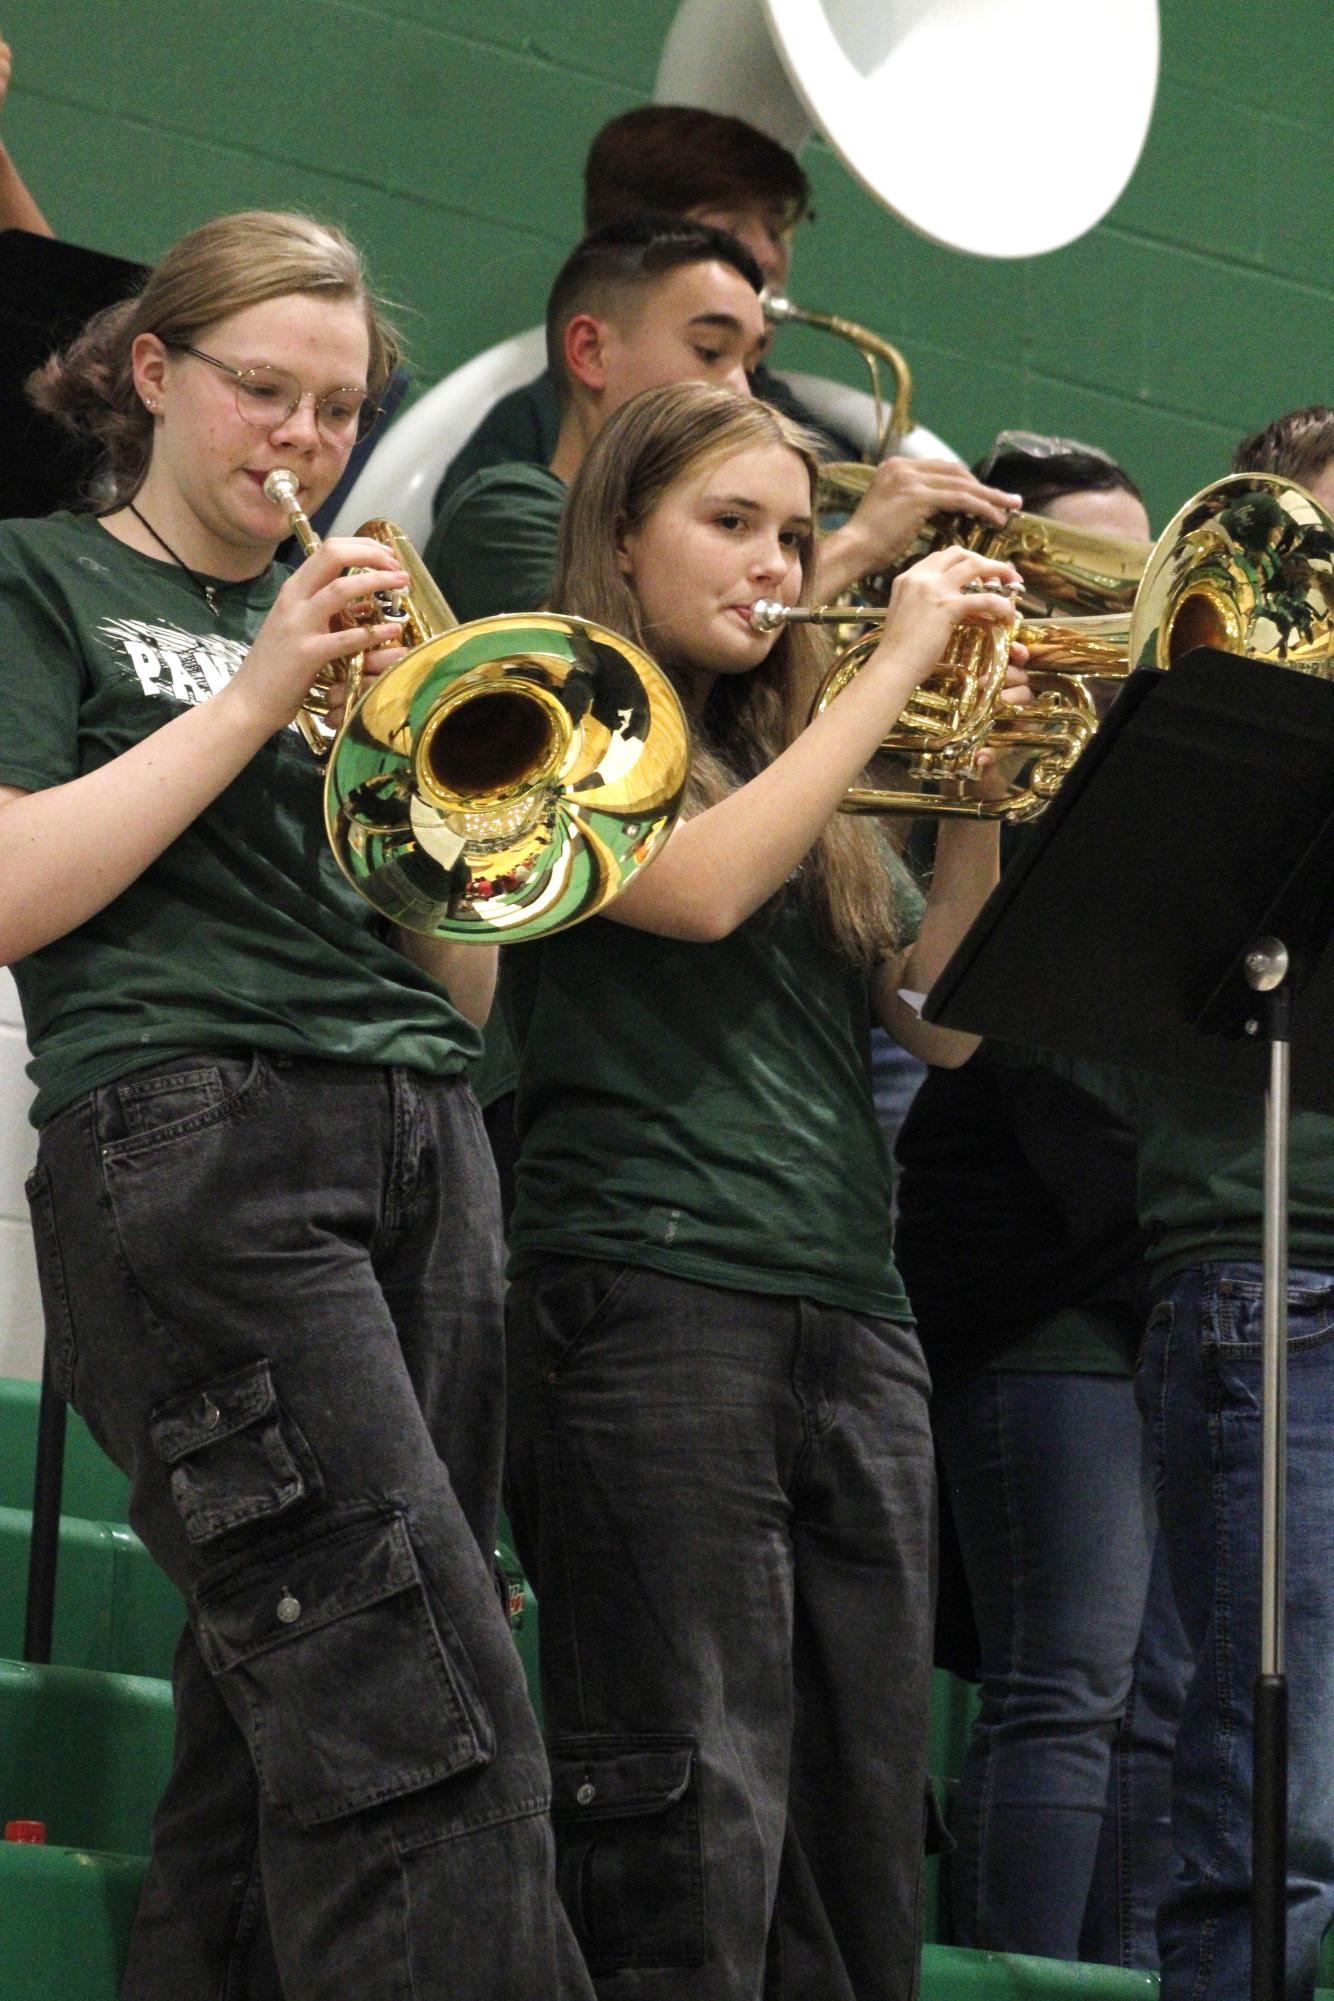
x: 281, y: 487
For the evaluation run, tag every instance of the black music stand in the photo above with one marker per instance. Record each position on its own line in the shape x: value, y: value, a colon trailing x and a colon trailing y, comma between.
x: 1164, y: 915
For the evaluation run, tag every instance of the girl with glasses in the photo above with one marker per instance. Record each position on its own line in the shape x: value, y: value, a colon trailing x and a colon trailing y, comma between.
x: 720, y: 1463
x: 264, y: 1206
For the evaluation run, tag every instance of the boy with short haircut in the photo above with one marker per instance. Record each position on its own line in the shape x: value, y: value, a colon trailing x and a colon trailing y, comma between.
x: 639, y: 304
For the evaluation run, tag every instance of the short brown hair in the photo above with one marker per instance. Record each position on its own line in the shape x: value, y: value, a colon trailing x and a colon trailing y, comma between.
x: 1297, y: 446
x: 673, y: 158
x: 625, y: 258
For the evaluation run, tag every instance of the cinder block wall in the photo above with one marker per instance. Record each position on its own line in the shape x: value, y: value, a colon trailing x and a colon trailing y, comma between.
x: 447, y: 135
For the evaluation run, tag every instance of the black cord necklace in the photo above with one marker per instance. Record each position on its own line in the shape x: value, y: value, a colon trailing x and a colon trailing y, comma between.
x: 209, y: 591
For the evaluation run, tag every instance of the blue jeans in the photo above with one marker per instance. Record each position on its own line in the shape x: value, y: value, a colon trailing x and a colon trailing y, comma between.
x: 1200, y: 1386
x: 1062, y: 1805
x: 1135, y: 1859
x: 725, y: 1501
x: 272, y: 1291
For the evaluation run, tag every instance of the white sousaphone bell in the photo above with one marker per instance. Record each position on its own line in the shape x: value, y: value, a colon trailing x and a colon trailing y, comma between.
x: 917, y: 96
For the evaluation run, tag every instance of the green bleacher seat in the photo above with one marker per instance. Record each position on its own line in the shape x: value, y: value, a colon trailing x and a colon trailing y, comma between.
x: 65, y: 1917
x: 88, y: 1754
x: 94, y: 1489
x: 114, y: 1608
x: 950, y: 1973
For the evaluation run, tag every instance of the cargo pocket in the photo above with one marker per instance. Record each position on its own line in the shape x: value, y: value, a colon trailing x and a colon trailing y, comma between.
x: 234, y: 1456
x: 631, y: 1864
x: 56, y: 1313
x: 331, y: 1658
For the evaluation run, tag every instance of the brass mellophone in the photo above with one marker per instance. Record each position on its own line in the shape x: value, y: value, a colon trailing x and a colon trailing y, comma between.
x: 507, y: 777
x: 1246, y: 566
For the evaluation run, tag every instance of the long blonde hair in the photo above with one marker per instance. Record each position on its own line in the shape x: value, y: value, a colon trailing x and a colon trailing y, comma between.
x: 231, y: 263
x: 653, y: 441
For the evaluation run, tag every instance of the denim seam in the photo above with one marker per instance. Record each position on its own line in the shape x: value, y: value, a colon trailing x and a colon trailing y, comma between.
x: 1224, y: 1747
x: 188, y: 1363
x: 392, y: 1205
x: 567, y: 1569
x: 248, y: 1916
x: 592, y: 1322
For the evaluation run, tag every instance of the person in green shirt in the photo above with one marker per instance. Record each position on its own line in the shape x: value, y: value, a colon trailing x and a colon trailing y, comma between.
x: 264, y: 1212
x: 1201, y: 1176
x: 720, y: 1473
x: 677, y: 161
x: 1020, y: 1247
x: 682, y: 162
x: 644, y: 301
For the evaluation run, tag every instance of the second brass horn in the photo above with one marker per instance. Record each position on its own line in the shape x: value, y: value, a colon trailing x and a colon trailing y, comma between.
x: 1246, y: 566
x: 507, y: 777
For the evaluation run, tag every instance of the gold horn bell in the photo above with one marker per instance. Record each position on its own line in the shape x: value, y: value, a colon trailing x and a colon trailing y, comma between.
x: 507, y: 777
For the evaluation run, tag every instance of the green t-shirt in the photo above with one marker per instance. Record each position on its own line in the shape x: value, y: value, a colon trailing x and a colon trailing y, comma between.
x: 493, y: 547
x: 243, y: 934
x: 1201, y: 1172
x: 704, y: 1110
x: 1201, y: 1178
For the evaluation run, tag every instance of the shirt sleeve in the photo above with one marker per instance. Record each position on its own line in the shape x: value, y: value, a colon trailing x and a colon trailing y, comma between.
x: 522, y: 425
x: 494, y: 547
x: 42, y: 681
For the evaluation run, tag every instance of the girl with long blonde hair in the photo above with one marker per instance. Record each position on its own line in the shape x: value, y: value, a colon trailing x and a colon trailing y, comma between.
x: 265, y: 1214
x: 720, y: 1463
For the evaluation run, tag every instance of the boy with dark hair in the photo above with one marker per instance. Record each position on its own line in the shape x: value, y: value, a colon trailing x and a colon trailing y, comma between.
x: 708, y: 168
x: 644, y: 302
x: 613, y: 273
x: 662, y: 159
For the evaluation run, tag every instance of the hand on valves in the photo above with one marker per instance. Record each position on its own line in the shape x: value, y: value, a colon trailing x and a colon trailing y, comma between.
x: 902, y: 497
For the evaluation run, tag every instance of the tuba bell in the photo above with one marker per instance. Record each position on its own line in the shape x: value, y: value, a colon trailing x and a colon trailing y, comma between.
x: 507, y: 777
x: 1246, y: 566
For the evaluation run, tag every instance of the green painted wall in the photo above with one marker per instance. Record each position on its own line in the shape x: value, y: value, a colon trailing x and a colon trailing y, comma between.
x: 447, y: 135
